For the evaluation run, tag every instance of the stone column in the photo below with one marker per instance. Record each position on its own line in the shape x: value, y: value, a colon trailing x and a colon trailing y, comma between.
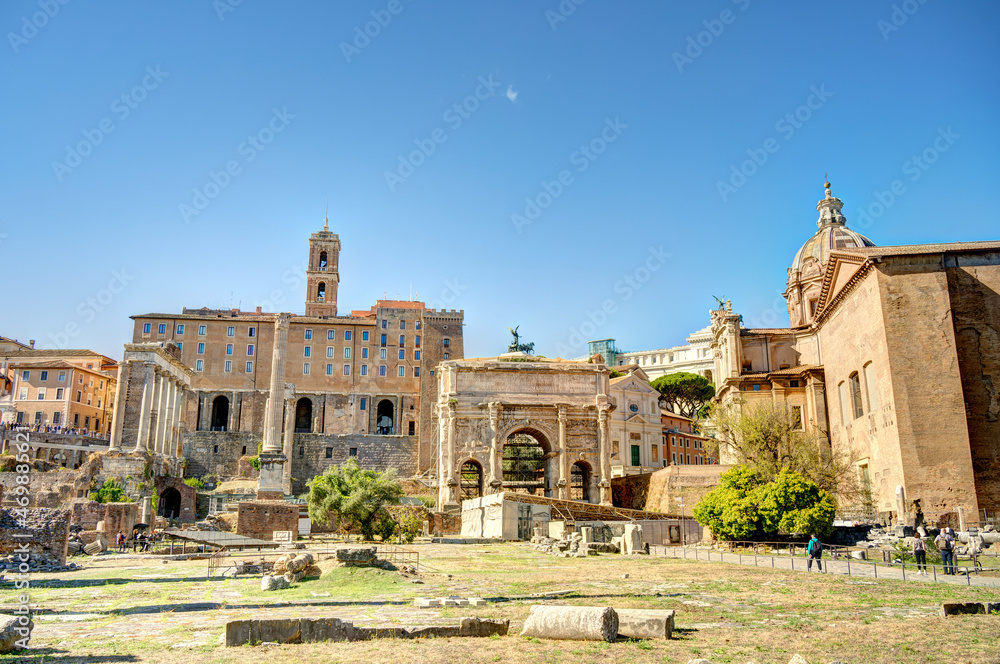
x: 118, y: 412
x: 157, y: 413
x: 562, y: 481
x: 147, y: 406
x: 495, y: 481
x: 449, y: 461
x: 442, y: 470
x: 269, y: 486
x: 175, y: 423
x: 234, y: 412
x: 604, y: 445
x: 204, y: 412
x: 286, y: 473
x: 166, y: 430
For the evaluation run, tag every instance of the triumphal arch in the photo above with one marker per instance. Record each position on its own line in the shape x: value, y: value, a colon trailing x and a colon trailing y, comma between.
x: 519, y: 423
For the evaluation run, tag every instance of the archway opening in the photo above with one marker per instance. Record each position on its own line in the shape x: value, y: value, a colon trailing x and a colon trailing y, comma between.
x: 303, y: 415
x: 471, y: 483
x: 321, y: 291
x: 170, y: 503
x: 220, y: 413
x: 322, y: 260
x: 524, y: 464
x: 579, y: 481
x: 384, y: 418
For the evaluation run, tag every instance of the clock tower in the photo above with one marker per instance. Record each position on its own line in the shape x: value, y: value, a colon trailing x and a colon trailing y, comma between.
x: 322, y: 275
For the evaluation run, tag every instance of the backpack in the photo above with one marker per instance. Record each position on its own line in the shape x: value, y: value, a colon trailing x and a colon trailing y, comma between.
x: 815, y: 546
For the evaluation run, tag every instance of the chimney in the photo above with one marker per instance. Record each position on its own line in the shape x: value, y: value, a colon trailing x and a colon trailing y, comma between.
x: 258, y: 309
x: 31, y: 342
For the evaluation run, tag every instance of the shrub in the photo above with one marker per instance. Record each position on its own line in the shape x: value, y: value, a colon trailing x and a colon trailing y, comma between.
x: 195, y: 482
x: 110, y: 492
x: 354, y: 498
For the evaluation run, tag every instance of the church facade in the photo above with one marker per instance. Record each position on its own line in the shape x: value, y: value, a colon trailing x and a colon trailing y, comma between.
x: 892, y: 359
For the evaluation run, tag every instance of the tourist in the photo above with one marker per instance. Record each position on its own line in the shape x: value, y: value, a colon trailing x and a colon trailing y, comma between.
x: 945, y: 543
x: 815, y: 553
x: 120, y: 542
x: 920, y: 553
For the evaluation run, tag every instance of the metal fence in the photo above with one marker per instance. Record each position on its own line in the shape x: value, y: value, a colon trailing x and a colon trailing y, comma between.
x: 776, y: 554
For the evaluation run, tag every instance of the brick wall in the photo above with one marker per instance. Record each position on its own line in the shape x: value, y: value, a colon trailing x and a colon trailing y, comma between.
x: 437, y: 326
x: 261, y: 518
x: 48, y: 531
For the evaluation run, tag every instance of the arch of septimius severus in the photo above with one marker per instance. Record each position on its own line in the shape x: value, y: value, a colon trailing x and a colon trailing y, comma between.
x: 488, y: 406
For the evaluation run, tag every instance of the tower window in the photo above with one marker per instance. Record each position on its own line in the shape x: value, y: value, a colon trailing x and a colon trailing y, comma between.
x: 321, y: 291
x: 322, y: 260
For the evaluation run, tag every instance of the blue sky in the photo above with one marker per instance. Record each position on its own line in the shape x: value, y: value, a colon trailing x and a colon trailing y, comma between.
x: 618, y: 121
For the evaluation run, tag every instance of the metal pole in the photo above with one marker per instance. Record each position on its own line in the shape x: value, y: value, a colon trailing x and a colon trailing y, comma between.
x: 934, y: 570
x: 848, y: 564
x: 903, y: 563
x: 876, y: 568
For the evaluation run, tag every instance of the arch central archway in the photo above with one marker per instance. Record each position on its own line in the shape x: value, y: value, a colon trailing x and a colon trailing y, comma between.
x: 170, y: 503
x: 384, y: 418
x: 220, y: 413
x: 525, y: 463
x: 303, y: 415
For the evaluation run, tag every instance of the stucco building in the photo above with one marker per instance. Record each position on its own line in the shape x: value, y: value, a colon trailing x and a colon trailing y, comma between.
x: 636, y: 432
x: 693, y: 357
x: 892, y: 358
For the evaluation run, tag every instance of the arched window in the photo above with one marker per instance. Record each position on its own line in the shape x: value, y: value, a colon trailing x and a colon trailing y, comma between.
x: 855, y: 387
x: 321, y: 291
x: 384, y: 418
x: 303, y: 415
x: 471, y: 480
x: 220, y: 413
x: 524, y: 464
x: 322, y: 260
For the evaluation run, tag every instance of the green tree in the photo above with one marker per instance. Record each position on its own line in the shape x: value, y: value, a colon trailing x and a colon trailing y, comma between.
x: 110, y: 492
x: 354, y: 498
x: 744, y: 506
x: 685, y: 393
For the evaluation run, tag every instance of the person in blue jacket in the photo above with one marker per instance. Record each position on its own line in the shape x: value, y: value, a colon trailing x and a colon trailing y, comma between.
x: 815, y: 553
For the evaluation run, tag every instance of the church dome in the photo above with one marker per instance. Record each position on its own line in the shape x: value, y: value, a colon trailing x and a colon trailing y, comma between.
x: 833, y: 235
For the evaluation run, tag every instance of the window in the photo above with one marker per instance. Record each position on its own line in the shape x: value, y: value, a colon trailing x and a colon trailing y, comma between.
x: 411, y: 428
x: 364, y: 369
x: 347, y: 353
x: 446, y: 356
x: 229, y: 366
x: 416, y: 372
x: 201, y: 330
x: 180, y: 328
x: 59, y: 393
x: 656, y: 453
x: 364, y: 353
x: 417, y: 325
x: 41, y: 394
x: 76, y: 419
x: 353, y: 452
x: 199, y: 365
x: 329, y: 351
x: 381, y: 353
x: 180, y: 345
x: 251, y: 331
x: 146, y: 327
x: 250, y: 350
x: 302, y: 451
x: 756, y: 387
x: 842, y: 390
x: 230, y: 331
x: 689, y: 459
x: 402, y: 340
x: 201, y: 348
x: 385, y: 324
x: 383, y: 340
x: 416, y: 356
x: 329, y: 453
x: 364, y: 402
x: 308, y: 334
x: 79, y: 396
x: 855, y: 387
x: 871, y: 388
x: 305, y: 369
x: 45, y: 375
x: 797, y: 418
x: 56, y: 418
x: 381, y: 370
x: 62, y: 376
x: 347, y: 335
x: 793, y: 383
x: 402, y: 324
x: 364, y: 335
x: 402, y: 354
x: 331, y: 334
x: 229, y: 349
x: 347, y: 369
x: 674, y: 454
x: 307, y: 351
x: 687, y: 442
x: 215, y: 449
x: 447, y: 342
x: 416, y: 341
x: 162, y: 328
x: 249, y: 367
x: 25, y: 375
x: 400, y: 371
x: 329, y: 370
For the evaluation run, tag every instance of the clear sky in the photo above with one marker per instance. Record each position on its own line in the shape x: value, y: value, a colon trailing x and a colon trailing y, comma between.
x: 598, y: 170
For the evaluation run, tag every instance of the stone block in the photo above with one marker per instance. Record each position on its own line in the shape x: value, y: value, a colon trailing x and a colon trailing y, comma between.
x: 962, y: 608
x: 478, y: 627
x: 12, y: 631
x: 426, y: 603
x: 580, y: 623
x: 632, y: 539
x: 587, y: 534
x: 477, y: 601
x: 280, y: 630
x: 356, y: 555
x: 645, y: 623
x: 269, y: 582
x: 325, y: 629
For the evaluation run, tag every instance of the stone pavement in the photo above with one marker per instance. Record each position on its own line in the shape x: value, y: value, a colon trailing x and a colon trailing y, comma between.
x: 841, y: 566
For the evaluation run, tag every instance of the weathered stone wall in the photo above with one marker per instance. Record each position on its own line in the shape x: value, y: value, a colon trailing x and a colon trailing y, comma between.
x: 974, y: 288
x: 630, y: 491
x: 689, y: 483
x: 261, y: 518
x: 437, y: 326
x: 188, y: 497
x: 48, y: 531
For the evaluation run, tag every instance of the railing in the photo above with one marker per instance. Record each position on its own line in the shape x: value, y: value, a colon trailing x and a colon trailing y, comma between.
x: 760, y: 553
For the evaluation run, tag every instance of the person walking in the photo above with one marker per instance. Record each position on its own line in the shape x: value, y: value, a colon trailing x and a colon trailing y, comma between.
x: 815, y: 550
x: 920, y: 553
x: 945, y: 543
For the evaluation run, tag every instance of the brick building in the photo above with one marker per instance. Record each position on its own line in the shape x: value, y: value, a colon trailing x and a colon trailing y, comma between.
x: 892, y: 359
x: 682, y: 445
x: 358, y: 385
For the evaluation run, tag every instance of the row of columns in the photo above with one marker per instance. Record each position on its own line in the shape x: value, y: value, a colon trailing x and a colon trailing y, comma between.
x: 561, y: 469
x: 163, y: 398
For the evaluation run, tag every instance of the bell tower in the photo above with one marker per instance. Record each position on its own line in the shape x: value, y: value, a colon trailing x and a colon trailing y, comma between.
x: 322, y: 275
